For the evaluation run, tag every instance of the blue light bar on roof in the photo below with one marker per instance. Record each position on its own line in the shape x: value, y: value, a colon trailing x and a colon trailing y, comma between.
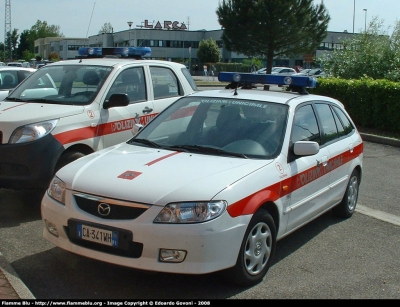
x: 248, y: 78
x: 124, y: 52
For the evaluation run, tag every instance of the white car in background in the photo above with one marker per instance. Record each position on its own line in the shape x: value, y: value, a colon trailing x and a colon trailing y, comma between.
x: 10, y: 77
x: 68, y: 109
x: 277, y: 70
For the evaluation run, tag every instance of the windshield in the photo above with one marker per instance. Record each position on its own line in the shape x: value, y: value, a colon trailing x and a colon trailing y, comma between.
x: 62, y: 84
x: 215, y: 126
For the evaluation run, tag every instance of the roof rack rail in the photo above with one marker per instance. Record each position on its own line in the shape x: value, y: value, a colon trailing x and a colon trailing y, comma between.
x: 248, y: 81
x: 119, y: 52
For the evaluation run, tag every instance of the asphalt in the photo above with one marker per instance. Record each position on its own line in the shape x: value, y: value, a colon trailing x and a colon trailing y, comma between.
x: 13, y: 288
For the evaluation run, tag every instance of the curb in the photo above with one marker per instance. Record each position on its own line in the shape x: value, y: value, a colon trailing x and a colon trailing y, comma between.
x: 20, y: 288
x: 380, y: 139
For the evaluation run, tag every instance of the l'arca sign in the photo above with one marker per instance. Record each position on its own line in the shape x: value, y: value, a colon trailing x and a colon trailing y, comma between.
x: 174, y: 25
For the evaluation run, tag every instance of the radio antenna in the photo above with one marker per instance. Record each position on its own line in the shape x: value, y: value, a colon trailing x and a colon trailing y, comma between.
x: 90, y: 21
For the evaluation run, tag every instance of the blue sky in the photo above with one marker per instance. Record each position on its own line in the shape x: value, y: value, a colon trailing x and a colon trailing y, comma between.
x: 81, y: 18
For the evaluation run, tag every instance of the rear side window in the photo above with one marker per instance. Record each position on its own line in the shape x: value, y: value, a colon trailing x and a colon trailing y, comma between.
x: 8, y: 79
x: 165, y: 83
x: 189, y: 77
x: 23, y: 74
x: 329, y: 129
x: 347, y: 126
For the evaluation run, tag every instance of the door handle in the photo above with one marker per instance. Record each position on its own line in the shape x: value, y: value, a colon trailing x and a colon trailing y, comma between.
x: 323, y: 161
x: 147, y: 110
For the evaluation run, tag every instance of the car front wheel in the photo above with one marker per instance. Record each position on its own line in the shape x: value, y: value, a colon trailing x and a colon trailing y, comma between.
x: 256, y: 252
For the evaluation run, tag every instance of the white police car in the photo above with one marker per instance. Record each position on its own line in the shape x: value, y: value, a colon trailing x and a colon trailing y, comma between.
x: 212, y: 182
x: 71, y: 108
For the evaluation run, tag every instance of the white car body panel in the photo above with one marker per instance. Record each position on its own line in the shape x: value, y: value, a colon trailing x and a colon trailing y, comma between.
x: 162, y: 171
x: 177, y: 172
x: 18, y: 114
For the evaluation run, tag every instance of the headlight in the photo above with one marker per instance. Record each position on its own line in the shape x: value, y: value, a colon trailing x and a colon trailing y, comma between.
x: 32, y: 132
x: 191, y: 212
x: 57, y: 189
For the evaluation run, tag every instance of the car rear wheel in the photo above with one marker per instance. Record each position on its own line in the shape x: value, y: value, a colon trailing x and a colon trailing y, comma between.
x: 347, y: 206
x: 256, y: 251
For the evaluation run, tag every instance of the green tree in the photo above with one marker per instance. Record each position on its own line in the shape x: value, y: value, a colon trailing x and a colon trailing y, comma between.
x: 373, y: 54
x: 27, y: 55
x: 41, y: 30
x: 208, y: 51
x: 253, y: 63
x: 54, y: 56
x: 11, y: 44
x: 106, y: 28
x: 2, y: 52
x: 272, y: 28
x: 23, y: 44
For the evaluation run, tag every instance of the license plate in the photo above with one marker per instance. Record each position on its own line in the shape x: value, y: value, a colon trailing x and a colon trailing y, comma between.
x: 98, y: 235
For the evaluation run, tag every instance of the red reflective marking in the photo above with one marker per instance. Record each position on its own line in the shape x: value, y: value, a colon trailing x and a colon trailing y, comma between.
x: 183, y: 112
x: 251, y: 203
x: 162, y: 158
x: 76, y: 135
x: 84, y: 133
x: 19, y: 105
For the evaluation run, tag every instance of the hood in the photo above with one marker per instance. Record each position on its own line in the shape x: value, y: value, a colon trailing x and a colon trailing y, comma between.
x: 155, y: 176
x: 15, y: 114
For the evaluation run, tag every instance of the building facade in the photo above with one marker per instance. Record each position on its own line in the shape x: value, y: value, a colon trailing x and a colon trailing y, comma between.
x: 172, y: 41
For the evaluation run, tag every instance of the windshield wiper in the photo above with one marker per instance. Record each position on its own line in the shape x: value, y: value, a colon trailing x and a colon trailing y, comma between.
x: 144, y: 142
x: 207, y: 150
x: 41, y: 100
x: 14, y: 99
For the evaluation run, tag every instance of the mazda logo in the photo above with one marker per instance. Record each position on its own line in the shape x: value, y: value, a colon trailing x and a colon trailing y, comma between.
x: 104, y: 209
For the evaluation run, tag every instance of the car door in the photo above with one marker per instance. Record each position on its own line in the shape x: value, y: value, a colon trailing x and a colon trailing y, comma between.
x: 150, y: 90
x: 118, y: 121
x: 340, y: 141
x: 165, y: 86
x: 310, y: 179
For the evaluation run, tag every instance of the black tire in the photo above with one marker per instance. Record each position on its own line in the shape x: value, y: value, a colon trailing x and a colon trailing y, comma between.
x: 347, y: 206
x: 256, y: 252
x: 67, y: 158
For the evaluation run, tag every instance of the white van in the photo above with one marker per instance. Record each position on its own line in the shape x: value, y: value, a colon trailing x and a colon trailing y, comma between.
x: 72, y: 108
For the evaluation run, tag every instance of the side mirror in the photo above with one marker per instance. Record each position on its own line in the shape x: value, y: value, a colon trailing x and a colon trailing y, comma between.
x: 136, y: 128
x: 116, y: 100
x: 305, y: 148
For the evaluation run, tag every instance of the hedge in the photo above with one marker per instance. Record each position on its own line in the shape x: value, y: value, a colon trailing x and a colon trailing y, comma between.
x: 370, y: 103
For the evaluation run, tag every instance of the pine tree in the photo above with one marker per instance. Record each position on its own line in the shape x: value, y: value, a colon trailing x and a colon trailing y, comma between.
x: 272, y: 28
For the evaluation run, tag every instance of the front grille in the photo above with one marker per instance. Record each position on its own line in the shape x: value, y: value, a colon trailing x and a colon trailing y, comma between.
x: 119, y: 210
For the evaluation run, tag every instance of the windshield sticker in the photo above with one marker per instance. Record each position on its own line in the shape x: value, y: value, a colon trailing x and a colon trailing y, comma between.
x: 235, y: 102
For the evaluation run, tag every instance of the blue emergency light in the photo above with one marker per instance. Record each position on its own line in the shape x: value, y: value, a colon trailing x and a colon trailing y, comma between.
x: 249, y: 78
x: 123, y: 52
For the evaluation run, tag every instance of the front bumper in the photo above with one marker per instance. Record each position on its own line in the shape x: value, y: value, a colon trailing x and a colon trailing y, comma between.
x: 210, y: 246
x: 29, y: 165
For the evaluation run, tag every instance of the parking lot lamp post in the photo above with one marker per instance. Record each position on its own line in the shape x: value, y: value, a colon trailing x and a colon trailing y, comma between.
x: 365, y: 26
x: 130, y: 25
x: 354, y: 14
